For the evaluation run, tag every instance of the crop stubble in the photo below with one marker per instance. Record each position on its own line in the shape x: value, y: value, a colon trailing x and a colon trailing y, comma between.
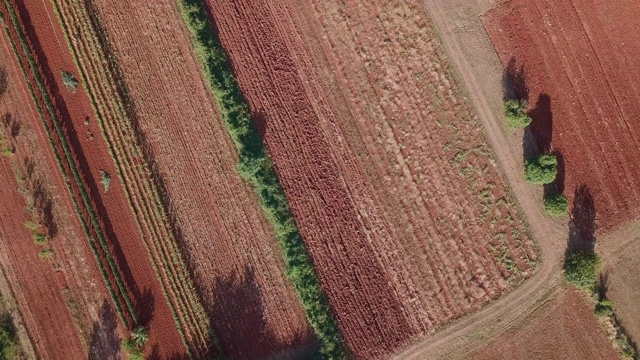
x: 92, y: 158
x: 580, y: 54
x: 384, y: 165
x: 229, y: 245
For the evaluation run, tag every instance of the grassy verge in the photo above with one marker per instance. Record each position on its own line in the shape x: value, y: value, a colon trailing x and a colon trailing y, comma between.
x: 72, y: 168
x: 103, y: 82
x: 256, y: 167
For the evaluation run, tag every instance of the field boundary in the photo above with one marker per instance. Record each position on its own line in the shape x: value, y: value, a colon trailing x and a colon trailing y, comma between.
x: 256, y: 167
x: 108, y: 94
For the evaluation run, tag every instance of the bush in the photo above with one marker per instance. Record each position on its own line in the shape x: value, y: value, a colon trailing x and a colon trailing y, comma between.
x: 69, y: 81
x: 139, y: 336
x: 45, y: 254
x: 541, y: 169
x: 130, y: 348
x: 9, y: 348
x: 603, y: 308
x: 31, y: 225
x: 556, y: 205
x: 581, y: 268
x: 105, y: 179
x: 516, y: 115
x: 40, y: 238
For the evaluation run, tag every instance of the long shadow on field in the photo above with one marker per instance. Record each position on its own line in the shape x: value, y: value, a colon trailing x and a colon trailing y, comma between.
x: 239, y: 318
x: 105, y: 343
x: 582, y: 222
x: 12, y: 124
x: 514, y: 85
x: 4, y: 83
x: 73, y: 138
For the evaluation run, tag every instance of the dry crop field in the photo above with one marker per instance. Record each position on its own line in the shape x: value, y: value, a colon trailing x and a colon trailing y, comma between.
x: 254, y: 179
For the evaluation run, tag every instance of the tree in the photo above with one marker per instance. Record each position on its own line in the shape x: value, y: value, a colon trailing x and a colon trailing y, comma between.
x: 541, y: 169
x: 556, y: 205
x: 140, y: 336
x: 516, y: 115
x: 69, y: 81
x: 580, y: 269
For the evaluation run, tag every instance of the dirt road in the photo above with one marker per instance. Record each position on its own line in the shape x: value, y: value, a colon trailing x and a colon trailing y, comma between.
x: 472, y: 54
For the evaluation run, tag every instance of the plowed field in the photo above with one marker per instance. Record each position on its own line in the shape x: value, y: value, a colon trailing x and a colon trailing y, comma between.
x: 565, y: 329
x: 91, y: 156
x: 66, y: 293
x: 230, y: 246
x: 578, y: 57
x: 383, y: 163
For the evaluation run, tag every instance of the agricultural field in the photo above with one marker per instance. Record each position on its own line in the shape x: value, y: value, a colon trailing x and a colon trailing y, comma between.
x: 249, y: 179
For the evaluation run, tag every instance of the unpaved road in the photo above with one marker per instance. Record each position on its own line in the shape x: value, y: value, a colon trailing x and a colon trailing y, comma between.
x: 472, y: 54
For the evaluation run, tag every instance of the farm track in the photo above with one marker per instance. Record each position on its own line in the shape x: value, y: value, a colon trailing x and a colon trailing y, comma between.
x: 69, y: 168
x: 344, y: 96
x: 102, y: 78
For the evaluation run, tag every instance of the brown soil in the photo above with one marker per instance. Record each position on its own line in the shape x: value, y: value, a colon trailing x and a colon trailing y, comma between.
x: 92, y: 158
x: 575, y: 58
x: 564, y: 328
x: 64, y: 295
x: 383, y: 163
x: 230, y: 246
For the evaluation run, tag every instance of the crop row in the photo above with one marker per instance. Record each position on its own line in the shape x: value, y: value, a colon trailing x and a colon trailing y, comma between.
x: 68, y: 166
x: 103, y: 82
x: 256, y: 167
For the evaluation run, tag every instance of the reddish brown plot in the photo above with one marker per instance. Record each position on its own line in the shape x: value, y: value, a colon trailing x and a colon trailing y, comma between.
x: 578, y: 59
x: 65, y: 294
x: 384, y: 165
x: 565, y: 327
x: 92, y: 157
x: 230, y: 246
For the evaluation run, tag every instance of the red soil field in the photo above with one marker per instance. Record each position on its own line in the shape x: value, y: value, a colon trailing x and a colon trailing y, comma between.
x: 383, y: 163
x: 578, y: 62
x: 566, y: 326
x: 230, y: 246
x: 93, y: 157
x: 64, y: 295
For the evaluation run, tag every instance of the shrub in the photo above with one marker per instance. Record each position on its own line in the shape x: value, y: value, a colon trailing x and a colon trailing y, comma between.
x: 45, y: 254
x: 40, y: 238
x: 69, y: 81
x: 9, y: 348
x: 105, y: 179
x: 516, y: 115
x: 139, y: 336
x: 7, y: 150
x: 130, y: 348
x: 603, y: 308
x: 556, y: 205
x: 541, y: 169
x: 581, y: 268
x: 31, y: 225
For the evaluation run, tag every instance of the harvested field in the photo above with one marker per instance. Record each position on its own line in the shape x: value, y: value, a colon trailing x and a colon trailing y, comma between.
x: 385, y: 167
x: 104, y: 214
x: 228, y: 243
x: 565, y: 326
x: 66, y: 292
x: 575, y: 61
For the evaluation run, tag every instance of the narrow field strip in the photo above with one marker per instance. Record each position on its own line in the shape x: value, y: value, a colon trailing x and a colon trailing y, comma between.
x: 109, y: 98
x: 256, y: 167
x: 58, y: 141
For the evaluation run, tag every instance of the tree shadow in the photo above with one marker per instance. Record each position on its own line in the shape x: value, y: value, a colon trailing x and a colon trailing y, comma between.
x: 542, y: 123
x: 582, y: 222
x: 145, y: 306
x: 602, y: 284
x: 241, y: 325
x: 514, y: 85
x: 105, y: 342
x: 12, y: 124
x: 4, y: 83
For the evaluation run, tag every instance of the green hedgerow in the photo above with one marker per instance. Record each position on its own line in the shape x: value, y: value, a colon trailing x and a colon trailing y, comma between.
x: 541, y: 169
x: 516, y: 115
x: 581, y: 268
x: 556, y: 205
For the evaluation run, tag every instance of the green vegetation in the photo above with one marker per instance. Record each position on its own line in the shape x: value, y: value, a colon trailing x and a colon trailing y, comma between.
x: 40, y: 238
x: 581, y: 268
x: 46, y: 254
x: 133, y: 345
x: 516, y: 115
x: 9, y: 347
x: 68, y: 167
x: 69, y: 81
x: 105, y: 179
x: 7, y: 150
x: 541, y: 169
x: 603, y: 308
x: 256, y: 168
x: 556, y: 205
x: 32, y: 225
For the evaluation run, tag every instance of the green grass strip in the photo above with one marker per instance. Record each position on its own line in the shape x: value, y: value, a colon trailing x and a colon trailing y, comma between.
x: 256, y: 167
x: 71, y: 162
